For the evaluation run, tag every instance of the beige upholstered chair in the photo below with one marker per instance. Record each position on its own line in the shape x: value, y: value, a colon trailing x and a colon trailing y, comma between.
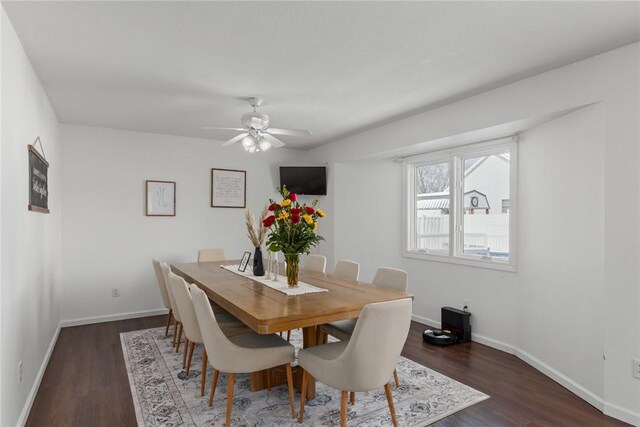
x: 240, y: 354
x: 177, y: 327
x: 391, y: 278
x: 209, y: 255
x: 163, y: 291
x: 229, y: 324
x: 366, y: 361
x: 315, y: 263
x: 342, y: 329
x: 345, y: 269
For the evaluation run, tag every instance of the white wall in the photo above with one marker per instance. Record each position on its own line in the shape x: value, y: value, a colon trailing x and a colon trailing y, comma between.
x: 366, y: 220
x: 30, y: 256
x: 577, y: 286
x: 109, y: 242
x: 561, y: 252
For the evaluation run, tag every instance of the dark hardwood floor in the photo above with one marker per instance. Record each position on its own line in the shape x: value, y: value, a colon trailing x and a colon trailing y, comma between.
x: 86, y: 383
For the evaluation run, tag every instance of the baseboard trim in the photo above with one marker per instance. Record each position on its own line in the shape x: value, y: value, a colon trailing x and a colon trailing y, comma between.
x: 622, y: 414
x: 112, y: 317
x: 594, y: 400
x: 26, y: 409
x: 586, y: 395
x: 497, y: 344
x: 425, y: 321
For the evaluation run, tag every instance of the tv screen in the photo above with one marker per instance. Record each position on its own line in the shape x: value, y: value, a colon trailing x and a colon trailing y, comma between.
x: 309, y: 180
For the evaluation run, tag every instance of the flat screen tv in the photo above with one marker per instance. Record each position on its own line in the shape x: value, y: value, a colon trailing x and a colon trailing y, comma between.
x: 311, y: 180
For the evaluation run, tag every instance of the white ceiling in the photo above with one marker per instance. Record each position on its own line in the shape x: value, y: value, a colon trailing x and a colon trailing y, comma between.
x: 331, y: 67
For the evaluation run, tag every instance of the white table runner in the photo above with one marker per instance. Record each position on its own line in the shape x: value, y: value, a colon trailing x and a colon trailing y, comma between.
x: 280, y: 285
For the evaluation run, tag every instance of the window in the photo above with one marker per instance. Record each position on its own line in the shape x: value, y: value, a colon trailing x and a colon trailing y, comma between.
x: 460, y: 205
x: 505, y: 205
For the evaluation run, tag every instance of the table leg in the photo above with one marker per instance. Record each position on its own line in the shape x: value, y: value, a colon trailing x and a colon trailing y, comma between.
x: 276, y: 376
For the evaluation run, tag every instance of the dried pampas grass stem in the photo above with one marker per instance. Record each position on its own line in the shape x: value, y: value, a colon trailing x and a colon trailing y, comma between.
x: 257, y: 236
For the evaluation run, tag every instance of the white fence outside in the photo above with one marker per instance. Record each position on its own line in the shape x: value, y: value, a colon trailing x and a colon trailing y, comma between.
x: 483, y: 234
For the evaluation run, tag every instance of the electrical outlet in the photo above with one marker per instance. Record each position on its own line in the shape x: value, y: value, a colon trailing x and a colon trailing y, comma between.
x: 636, y: 368
x: 19, y: 372
x: 115, y: 292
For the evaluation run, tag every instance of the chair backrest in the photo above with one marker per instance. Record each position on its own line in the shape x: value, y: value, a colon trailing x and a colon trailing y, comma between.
x: 164, y: 267
x: 391, y: 278
x: 182, y: 297
x: 315, y: 263
x: 161, y: 284
x: 375, y: 346
x: 347, y: 269
x: 208, y: 255
x: 224, y: 355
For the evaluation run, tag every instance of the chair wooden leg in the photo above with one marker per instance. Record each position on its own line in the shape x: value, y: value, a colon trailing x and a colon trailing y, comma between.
x: 353, y: 397
x: 290, y: 385
x: 392, y: 410
x: 186, y: 350
x: 325, y: 338
x: 213, y: 386
x: 395, y: 376
x: 343, y: 409
x: 175, y: 332
x: 303, y: 394
x: 232, y: 380
x: 180, y: 328
x: 204, y: 369
x: 166, y: 331
x: 288, y: 335
x: 190, y: 358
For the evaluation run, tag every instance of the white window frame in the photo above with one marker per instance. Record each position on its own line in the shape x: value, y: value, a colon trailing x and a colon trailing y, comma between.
x: 455, y: 157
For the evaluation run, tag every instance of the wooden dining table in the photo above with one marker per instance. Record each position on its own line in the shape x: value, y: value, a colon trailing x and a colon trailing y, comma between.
x: 267, y: 311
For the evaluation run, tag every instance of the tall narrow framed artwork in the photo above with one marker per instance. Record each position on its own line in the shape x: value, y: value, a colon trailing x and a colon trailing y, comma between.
x: 160, y: 198
x: 38, y: 179
x: 228, y: 188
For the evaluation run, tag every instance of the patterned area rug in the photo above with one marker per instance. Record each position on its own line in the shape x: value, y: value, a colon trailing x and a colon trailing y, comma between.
x: 164, y: 395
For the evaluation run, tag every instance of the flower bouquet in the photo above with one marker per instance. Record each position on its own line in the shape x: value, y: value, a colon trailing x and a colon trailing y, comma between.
x: 293, y: 230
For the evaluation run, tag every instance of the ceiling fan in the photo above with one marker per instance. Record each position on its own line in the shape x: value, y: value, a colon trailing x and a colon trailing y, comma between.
x: 256, y: 134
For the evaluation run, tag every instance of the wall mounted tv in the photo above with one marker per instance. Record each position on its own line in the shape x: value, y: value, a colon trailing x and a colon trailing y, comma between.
x: 311, y: 180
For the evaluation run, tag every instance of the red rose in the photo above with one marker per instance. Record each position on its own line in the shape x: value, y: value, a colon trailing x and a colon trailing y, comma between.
x: 274, y: 206
x: 310, y: 210
x: 295, y: 219
x: 268, y: 221
x: 293, y: 197
x: 296, y: 211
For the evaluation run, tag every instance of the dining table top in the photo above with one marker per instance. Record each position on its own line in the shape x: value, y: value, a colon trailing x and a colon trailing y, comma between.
x: 266, y: 310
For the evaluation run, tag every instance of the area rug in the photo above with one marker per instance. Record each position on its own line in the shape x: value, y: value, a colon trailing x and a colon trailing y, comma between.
x: 164, y: 395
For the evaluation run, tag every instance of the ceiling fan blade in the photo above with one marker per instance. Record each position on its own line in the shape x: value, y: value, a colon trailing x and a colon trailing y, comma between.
x: 292, y: 132
x: 234, y: 139
x: 216, y: 128
x: 275, y: 142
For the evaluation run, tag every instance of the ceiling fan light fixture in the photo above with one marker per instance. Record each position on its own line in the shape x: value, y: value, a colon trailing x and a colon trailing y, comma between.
x: 252, y: 148
x: 264, y: 144
x: 248, y: 141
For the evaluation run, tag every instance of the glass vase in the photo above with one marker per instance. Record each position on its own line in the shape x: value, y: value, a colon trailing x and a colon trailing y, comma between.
x: 292, y: 262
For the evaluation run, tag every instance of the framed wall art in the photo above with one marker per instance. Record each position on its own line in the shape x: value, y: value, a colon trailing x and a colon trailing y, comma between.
x: 160, y: 198
x: 38, y: 179
x: 228, y: 188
